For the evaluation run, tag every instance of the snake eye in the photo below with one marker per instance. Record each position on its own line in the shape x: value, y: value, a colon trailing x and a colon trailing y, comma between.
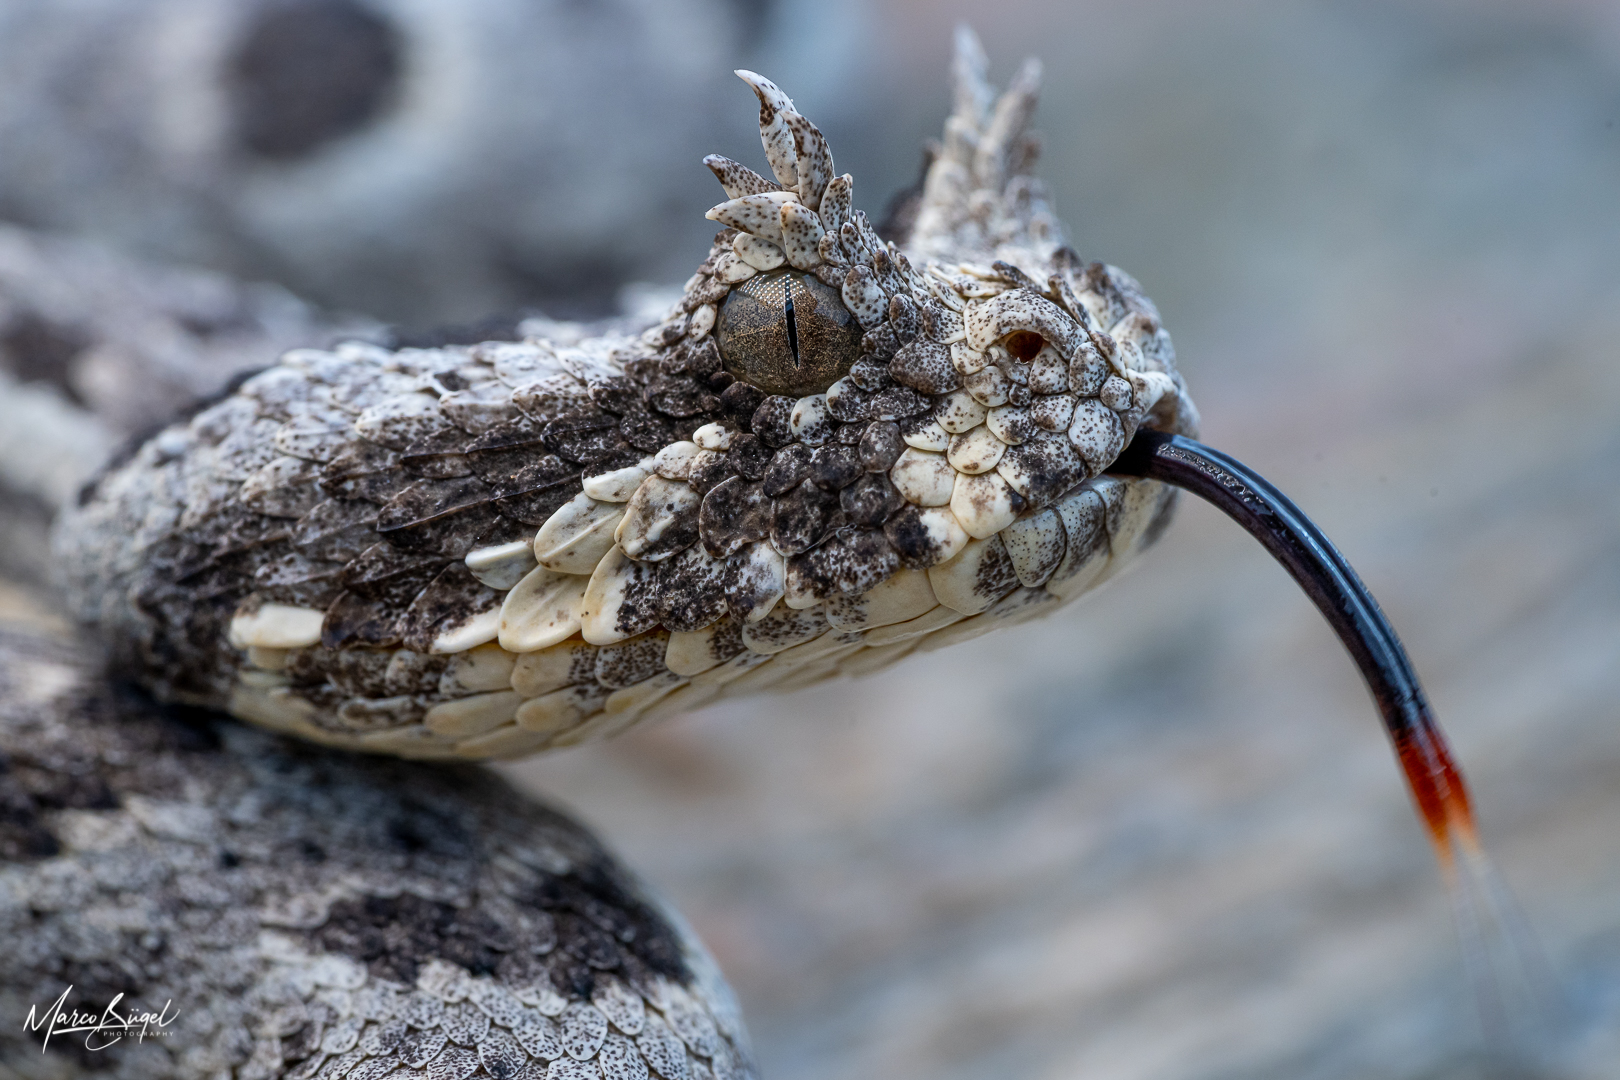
x: 787, y: 333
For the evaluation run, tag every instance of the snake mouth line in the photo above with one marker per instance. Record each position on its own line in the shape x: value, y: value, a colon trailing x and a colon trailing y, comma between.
x: 1435, y: 781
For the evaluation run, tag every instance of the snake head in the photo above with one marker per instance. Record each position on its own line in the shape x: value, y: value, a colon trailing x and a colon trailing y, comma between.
x: 836, y: 448
x: 948, y: 385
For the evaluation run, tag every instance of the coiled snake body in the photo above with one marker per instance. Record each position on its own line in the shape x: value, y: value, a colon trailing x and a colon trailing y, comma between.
x: 834, y: 450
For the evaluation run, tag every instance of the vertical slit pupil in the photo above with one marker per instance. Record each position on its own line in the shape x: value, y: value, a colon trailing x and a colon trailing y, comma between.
x: 792, y: 327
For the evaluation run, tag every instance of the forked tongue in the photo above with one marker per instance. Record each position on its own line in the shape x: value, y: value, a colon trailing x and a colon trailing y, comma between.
x: 1497, y: 946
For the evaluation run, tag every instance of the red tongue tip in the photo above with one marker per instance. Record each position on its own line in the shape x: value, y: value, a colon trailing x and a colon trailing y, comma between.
x: 1438, y: 789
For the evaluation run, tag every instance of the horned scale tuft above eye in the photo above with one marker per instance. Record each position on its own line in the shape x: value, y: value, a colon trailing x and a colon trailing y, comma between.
x: 787, y: 333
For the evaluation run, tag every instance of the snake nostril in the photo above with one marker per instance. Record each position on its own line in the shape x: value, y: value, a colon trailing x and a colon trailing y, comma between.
x: 1024, y: 344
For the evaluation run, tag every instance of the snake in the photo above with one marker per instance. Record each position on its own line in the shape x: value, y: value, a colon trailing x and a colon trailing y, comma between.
x: 843, y: 443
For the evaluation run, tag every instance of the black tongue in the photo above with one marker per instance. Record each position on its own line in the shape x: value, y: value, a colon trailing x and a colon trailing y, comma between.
x: 1309, y: 556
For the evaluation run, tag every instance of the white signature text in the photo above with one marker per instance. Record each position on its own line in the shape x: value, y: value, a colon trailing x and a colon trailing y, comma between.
x: 100, y: 1030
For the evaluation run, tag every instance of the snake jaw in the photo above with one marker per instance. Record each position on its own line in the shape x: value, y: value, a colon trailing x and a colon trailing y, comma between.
x: 491, y: 550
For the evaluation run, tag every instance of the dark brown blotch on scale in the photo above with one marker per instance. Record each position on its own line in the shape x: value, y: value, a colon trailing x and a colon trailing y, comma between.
x: 708, y: 468
x: 850, y: 403
x: 536, y: 507
x: 429, y: 500
x: 382, y: 562
x: 772, y: 421
x: 495, y: 467
x: 616, y: 394
x: 691, y: 594
x: 787, y: 333
x: 337, y: 529
x: 254, y: 533
x: 680, y: 397
x: 445, y: 438
x: 880, y: 446
x: 834, y: 467
x: 453, y: 596
x: 854, y: 561
x: 903, y: 317
x: 881, y: 342
x: 293, y: 579
x: 790, y: 465
x: 536, y: 474
x: 898, y: 403
x: 911, y: 539
x: 363, y: 471
x: 513, y: 435
x: 359, y: 458
x: 830, y: 275
x: 436, y: 465
x: 647, y: 431
x: 802, y: 518
x: 870, y: 500
x: 638, y: 659
x: 740, y: 400
x: 354, y: 672
x: 749, y: 456
x: 622, y: 458
x: 583, y: 435
x: 362, y: 620
x: 734, y: 513
x: 997, y: 576
x: 710, y: 292
x: 452, y: 536
x: 933, y: 320
x: 697, y: 359
x: 1014, y: 276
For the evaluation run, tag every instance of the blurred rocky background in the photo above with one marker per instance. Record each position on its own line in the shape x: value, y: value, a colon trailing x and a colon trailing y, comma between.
x: 1157, y: 836
x: 424, y: 162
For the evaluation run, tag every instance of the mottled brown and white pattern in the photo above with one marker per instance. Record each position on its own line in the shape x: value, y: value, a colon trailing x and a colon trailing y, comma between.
x: 308, y: 914
x: 490, y: 550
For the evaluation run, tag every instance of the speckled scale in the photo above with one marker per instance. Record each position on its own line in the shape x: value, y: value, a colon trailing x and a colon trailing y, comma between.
x: 802, y: 517
x: 709, y: 468
x: 691, y: 590
x: 834, y: 467
x: 925, y: 366
x: 853, y: 561
x: 880, y: 446
x: 583, y: 436
x: 634, y: 660
x: 749, y: 457
x: 788, y: 467
x: 772, y: 420
x: 429, y: 500
x: 898, y: 403
x: 734, y: 512
x: 870, y: 500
